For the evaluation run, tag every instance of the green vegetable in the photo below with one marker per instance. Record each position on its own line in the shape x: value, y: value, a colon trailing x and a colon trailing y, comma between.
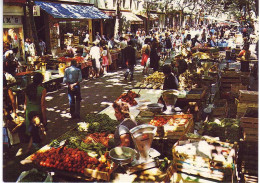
x: 101, y: 123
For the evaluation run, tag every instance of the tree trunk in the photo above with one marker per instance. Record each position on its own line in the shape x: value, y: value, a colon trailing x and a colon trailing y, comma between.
x: 148, y: 17
x: 118, y: 25
x: 33, y: 28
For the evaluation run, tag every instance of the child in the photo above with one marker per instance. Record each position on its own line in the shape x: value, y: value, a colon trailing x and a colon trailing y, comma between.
x: 105, y: 62
x: 36, y: 130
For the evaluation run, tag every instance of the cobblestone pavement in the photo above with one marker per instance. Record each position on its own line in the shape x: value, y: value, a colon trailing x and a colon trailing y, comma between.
x: 97, y: 94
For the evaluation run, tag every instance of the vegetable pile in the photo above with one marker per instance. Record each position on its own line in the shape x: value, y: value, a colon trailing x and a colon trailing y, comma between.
x: 227, y: 128
x: 101, y: 123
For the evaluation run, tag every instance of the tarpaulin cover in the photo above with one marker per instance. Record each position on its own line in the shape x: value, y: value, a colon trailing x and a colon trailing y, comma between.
x: 131, y: 17
x: 61, y: 10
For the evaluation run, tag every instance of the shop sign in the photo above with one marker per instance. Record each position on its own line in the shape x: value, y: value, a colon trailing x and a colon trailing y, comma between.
x: 110, y: 13
x: 12, y: 20
x: 14, y: 1
x: 36, y: 11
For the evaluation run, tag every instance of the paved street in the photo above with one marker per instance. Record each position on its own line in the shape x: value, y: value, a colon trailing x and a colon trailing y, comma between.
x: 97, y: 94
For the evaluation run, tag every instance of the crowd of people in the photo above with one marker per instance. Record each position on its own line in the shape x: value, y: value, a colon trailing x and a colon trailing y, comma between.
x: 155, y: 46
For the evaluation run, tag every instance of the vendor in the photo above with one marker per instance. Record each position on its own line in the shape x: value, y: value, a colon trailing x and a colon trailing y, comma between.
x: 170, y: 81
x: 181, y: 65
x: 122, y: 134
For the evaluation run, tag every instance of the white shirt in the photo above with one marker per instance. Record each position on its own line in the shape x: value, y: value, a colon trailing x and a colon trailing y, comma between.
x: 95, y: 52
x: 31, y: 49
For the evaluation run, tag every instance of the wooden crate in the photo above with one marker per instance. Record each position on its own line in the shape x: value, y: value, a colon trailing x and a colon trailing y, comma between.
x: 235, y: 87
x: 247, y: 122
x: 100, y: 175
x: 202, y: 166
x: 250, y: 134
x: 177, y: 133
x: 230, y: 74
x: 248, y: 96
x: 230, y: 80
x: 251, y: 178
x: 243, y: 106
x: 196, y: 96
x: 221, y: 109
x: 188, y: 178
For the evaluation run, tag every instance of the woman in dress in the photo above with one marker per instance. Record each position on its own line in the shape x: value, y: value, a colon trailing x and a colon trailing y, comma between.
x: 35, y: 102
x: 105, y: 62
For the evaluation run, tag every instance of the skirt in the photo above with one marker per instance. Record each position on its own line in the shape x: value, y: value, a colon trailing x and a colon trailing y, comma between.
x: 105, y: 61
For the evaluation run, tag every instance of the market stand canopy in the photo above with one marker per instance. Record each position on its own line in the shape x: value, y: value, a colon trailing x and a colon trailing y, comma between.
x: 128, y: 16
x: 59, y: 10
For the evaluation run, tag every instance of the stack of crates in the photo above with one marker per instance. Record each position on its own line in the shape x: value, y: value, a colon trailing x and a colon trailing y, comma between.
x: 227, y: 79
x: 245, y: 100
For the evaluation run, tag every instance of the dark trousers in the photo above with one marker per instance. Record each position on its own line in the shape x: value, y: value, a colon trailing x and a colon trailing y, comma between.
x: 130, y: 70
x: 74, y: 100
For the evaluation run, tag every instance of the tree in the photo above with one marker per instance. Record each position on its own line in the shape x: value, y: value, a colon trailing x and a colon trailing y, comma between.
x: 33, y: 27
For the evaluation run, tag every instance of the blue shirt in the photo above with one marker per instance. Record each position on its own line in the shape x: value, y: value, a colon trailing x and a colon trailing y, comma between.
x: 72, y: 75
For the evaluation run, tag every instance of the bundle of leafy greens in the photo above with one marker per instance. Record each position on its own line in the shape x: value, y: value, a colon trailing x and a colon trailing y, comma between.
x: 227, y: 129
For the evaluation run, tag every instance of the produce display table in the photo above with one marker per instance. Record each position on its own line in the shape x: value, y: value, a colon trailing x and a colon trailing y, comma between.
x: 146, y: 96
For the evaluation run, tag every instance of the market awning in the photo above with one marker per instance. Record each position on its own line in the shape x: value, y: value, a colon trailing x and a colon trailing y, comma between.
x: 62, y: 10
x: 128, y: 16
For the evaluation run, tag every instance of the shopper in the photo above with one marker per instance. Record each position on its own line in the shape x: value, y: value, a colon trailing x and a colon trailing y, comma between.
x: 85, y: 49
x: 31, y: 48
x: 194, y: 41
x: 122, y: 134
x: 105, y: 61
x: 146, y: 49
x: 95, y: 54
x: 154, y: 57
x: 244, y: 55
x: 122, y: 45
x: 9, y: 107
x: 130, y: 60
x: 72, y: 78
x: 168, y: 44
x: 98, y: 38
x: 203, y: 36
x: 42, y: 47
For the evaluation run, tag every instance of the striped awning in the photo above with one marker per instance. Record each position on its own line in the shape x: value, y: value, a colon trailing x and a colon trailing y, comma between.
x: 69, y: 11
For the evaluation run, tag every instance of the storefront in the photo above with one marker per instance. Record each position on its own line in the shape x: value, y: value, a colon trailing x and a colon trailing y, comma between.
x: 13, y: 35
x: 68, y: 27
x: 109, y: 24
x: 130, y: 21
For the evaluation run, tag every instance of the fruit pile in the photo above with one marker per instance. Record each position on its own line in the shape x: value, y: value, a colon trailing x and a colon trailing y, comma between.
x: 158, y: 121
x: 177, y: 121
x: 128, y: 98
x: 68, y: 159
x: 102, y: 138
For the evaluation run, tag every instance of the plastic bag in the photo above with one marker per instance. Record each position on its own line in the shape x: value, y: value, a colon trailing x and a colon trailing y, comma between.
x: 25, y: 173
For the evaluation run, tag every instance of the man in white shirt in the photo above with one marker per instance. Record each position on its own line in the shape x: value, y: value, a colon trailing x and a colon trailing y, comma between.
x: 95, y: 54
